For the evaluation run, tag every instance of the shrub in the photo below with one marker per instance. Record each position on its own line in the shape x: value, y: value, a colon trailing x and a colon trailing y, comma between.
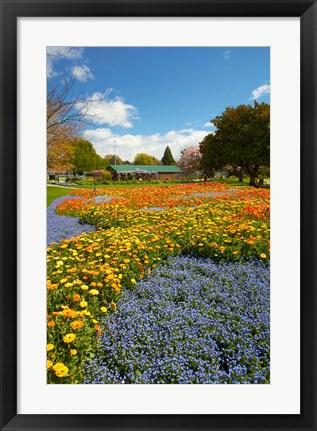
x: 106, y: 176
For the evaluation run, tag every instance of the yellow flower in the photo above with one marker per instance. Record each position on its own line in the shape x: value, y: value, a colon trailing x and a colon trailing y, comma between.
x: 84, y: 287
x: 49, y: 364
x: 94, y: 292
x: 73, y: 352
x: 222, y: 248
x: 263, y: 256
x: 60, y: 369
x: 133, y: 280
x: 113, y: 305
x: 83, y: 304
x: 63, y: 280
x: 49, y: 347
x: 69, y: 338
x: 103, y: 309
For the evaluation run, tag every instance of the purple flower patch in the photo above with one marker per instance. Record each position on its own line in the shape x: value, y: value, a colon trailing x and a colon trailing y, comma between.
x: 192, y: 321
x: 59, y: 227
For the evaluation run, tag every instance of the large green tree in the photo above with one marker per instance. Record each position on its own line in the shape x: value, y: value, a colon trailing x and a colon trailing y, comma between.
x: 241, y: 139
x: 168, y: 158
x: 145, y: 159
x: 84, y: 156
x: 112, y: 159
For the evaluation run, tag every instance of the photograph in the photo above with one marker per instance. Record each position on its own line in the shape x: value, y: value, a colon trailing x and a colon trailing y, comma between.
x: 158, y: 222
x: 158, y: 215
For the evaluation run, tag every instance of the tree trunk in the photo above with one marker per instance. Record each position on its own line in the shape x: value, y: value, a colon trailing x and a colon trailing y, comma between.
x: 240, y: 179
x: 252, y: 181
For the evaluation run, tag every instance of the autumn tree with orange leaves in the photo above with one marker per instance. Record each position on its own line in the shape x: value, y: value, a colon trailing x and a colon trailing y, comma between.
x: 66, y: 118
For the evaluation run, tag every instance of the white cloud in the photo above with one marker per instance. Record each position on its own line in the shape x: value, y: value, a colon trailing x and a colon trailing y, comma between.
x: 82, y: 73
x: 64, y: 51
x: 129, y: 145
x: 208, y: 124
x: 55, y: 53
x: 260, y: 91
x: 227, y: 54
x: 114, y: 112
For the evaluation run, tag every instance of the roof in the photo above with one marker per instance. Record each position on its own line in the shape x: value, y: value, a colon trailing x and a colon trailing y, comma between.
x: 147, y: 168
x: 97, y: 172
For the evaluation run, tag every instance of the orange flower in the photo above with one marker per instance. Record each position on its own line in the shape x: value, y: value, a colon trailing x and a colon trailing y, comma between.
x: 76, y: 297
x: 77, y: 324
x: 51, y: 323
x: 98, y: 329
x: 69, y: 313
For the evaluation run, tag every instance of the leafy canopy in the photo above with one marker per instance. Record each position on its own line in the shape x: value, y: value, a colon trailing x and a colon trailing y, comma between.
x: 145, y: 159
x: 242, y: 138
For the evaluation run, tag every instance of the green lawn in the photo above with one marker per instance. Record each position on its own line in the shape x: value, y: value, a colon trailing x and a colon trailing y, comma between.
x: 55, y: 192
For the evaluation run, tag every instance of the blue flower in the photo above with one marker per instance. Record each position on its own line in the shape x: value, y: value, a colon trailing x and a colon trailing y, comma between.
x: 192, y: 321
x: 59, y: 227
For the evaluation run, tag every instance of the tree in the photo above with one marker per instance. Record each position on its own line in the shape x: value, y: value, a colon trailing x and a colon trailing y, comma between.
x: 111, y: 159
x: 100, y: 162
x: 211, y: 156
x: 145, y: 159
x: 242, y: 139
x: 60, y: 156
x: 66, y: 115
x: 84, y: 156
x: 189, y: 161
x: 168, y: 158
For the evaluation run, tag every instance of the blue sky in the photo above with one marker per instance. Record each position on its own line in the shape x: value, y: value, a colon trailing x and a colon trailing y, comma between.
x: 148, y: 98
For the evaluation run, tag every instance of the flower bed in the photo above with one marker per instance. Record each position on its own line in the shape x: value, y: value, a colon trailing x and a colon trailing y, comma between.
x: 192, y: 321
x: 88, y: 273
x: 61, y: 226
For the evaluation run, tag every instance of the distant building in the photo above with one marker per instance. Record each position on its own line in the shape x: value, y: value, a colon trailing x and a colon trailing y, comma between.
x: 143, y: 171
x: 56, y: 174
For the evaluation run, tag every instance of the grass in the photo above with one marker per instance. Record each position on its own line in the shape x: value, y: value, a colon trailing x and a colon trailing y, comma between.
x: 235, y: 182
x: 55, y: 192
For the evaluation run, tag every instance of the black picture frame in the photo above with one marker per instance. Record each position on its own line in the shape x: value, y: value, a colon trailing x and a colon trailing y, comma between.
x: 10, y: 11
